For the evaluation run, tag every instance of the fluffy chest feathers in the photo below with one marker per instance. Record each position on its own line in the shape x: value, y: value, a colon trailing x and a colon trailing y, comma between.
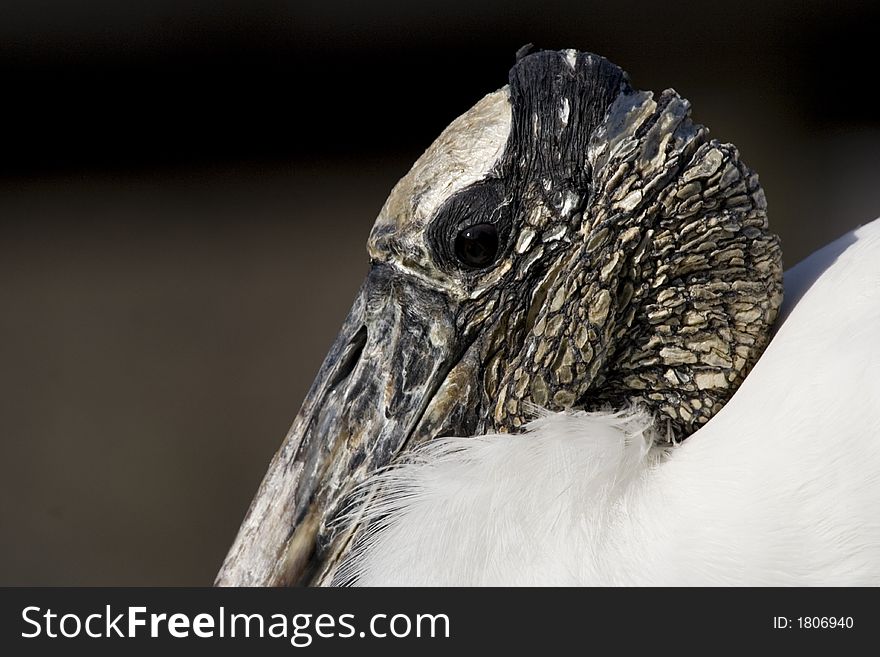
x: 780, y: 488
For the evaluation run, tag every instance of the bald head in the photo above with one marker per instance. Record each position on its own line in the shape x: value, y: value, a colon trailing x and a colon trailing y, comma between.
x: 568, y: 211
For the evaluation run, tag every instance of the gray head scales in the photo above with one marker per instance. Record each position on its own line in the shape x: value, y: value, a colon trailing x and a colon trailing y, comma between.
x: 568, y: 243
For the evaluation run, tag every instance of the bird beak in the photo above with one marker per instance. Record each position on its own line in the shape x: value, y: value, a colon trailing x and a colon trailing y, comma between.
x: 370, y: 397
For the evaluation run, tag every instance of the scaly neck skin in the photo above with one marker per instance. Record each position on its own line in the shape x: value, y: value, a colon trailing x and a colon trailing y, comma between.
x: 666, y: 290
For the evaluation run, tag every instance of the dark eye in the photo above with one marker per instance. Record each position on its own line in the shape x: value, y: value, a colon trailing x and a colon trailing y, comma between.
x: 476, y: 246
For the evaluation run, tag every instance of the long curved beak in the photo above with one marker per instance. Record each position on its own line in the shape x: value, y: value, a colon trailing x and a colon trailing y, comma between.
x: 393, y: 353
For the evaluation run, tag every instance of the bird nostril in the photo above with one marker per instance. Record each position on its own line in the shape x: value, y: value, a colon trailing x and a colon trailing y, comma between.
x: 350, y: 357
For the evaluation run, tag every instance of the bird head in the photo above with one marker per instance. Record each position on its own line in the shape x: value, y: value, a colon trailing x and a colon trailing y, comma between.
x: 567, y: 243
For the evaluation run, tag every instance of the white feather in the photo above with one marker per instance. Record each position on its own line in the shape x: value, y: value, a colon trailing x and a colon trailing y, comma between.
x: 782, y: 487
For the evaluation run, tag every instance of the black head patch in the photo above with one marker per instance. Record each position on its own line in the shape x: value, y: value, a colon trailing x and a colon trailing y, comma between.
x: 557, y: 100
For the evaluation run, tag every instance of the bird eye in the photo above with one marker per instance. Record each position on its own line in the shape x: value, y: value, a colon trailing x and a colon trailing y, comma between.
x: 476, y: 246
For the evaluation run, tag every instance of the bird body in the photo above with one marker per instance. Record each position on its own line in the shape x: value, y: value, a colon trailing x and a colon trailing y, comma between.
x: 782, y: 487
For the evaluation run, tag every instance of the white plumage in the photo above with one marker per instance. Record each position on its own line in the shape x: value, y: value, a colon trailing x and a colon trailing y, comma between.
x: 782, y: 487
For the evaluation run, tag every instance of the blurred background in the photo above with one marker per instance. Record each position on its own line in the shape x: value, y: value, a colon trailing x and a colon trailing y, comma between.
x: 186, y: 188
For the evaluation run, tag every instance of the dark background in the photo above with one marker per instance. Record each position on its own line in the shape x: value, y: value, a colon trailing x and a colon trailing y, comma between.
x: 185, y: 193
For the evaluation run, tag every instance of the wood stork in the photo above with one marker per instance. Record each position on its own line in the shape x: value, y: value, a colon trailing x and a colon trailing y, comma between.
x: 574, y: 279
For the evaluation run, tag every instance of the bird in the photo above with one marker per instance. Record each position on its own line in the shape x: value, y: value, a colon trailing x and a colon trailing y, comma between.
x: 571, y: 364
